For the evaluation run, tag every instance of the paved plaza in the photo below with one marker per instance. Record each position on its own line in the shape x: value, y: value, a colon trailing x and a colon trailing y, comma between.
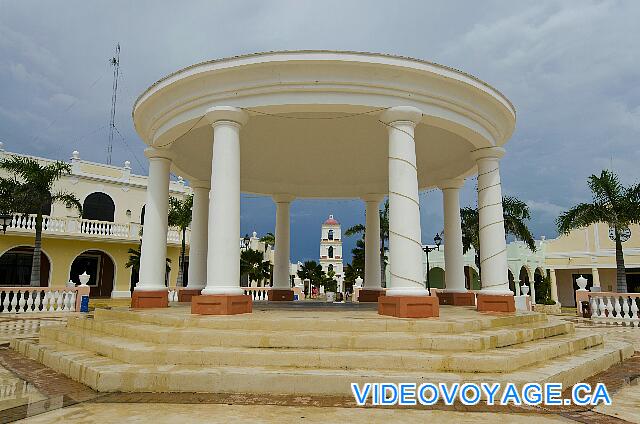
x: 33, y: 393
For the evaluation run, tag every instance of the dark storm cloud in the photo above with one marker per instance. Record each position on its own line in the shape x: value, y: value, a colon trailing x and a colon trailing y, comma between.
x: 571, y: 69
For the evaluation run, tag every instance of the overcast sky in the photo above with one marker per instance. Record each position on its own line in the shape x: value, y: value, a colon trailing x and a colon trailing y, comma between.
x: 571, y: 68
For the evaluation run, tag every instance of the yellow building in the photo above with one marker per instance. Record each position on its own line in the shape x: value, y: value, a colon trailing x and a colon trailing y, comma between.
x: 590, y: 252
x: 96, y: 242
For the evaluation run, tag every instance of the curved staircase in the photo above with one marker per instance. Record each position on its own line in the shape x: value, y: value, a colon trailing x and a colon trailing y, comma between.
x: 313, y: 352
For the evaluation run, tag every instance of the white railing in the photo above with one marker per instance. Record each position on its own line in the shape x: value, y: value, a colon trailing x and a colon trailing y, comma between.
x: 611, y: 307
x: 262, y: 293
x: 173, y: 294
x: 15, y: 300
x: 87, y: 228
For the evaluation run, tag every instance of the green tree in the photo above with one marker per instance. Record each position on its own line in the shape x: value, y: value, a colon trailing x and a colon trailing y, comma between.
x: 329, y: 282
x: 515, y: 215
x: 312, y: 271
x: 253, y: 265
x: 268, y: 239
x: 384, y: 237
x: 28, y: 190
x: 134, y: 261
x: 180, y: 212
x: 614, y: 204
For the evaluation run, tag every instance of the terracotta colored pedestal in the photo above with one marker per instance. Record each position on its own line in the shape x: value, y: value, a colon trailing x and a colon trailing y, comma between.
x: 280, y: 295
x: 150, y: 299
x: 220, y: 304
x: 185, y: 295
x: 365, y: 295
x: 409, y: 306
x: 457, y: 299
x: 495, y: 303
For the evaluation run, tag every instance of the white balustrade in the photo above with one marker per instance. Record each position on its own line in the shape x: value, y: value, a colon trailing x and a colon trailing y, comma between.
x: 87, y: 227
x: 16, y: 300
x: 611, y: 307
x: 257, y: 293
x: 173, y: 295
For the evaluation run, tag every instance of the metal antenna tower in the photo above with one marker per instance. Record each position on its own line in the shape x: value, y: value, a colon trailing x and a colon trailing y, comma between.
x: 115, y: 62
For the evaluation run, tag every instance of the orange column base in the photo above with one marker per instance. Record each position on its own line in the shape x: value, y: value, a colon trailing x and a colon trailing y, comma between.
x: 495, y: 303
x: 221, y: 304
x: 365, y: 295
x: 280, y: 295
x: 185, y: 295
x: 150, y: 299
x: 457, y: 299
x: 409, y: 306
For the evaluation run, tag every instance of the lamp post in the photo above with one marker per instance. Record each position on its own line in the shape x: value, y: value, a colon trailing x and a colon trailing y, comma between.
x: 437, y: 240
x: 5, y: 220
x: 246, y: 241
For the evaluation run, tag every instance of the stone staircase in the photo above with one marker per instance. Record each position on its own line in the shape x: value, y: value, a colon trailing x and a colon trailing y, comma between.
x: 310, y: 352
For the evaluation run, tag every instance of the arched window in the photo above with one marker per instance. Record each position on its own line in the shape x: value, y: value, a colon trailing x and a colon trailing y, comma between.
x: 330, y: 235
x: 98, y: 206
x: 331, y: 251
x: 330, y: 268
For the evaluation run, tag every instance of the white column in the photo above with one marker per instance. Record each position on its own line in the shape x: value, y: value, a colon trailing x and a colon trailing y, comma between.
x: 405, y: 247
x: 493, y: 246
x: 372, y: 242
x: 453, y: 256
x: 223, y: 252
x: 283, y: 242
x: 199, y: 230
x: 153, y: 253
x: 554, y: 285
x: 596, y: 277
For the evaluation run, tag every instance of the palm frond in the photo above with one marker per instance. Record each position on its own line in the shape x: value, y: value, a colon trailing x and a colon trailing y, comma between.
x: 69, y: 200
x: 580, y: 216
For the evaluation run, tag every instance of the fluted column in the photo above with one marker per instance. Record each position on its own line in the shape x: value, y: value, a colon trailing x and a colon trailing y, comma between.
x: 405, y: 247
x: 372, y: 243
x: 554, y: 285
x: 154, y: 236
x: 493, y: 246
x: 283, y: 242
x: 223, y: 253
x: 199, y: 231
x: 453, y: 251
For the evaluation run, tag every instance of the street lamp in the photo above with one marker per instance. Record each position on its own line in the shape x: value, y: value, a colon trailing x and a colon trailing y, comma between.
x: 246, y: 241
x: 437, y: 240
x: 5, y: 220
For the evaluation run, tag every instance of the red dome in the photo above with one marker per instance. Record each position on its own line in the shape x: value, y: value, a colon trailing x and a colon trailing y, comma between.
x: 331, y: 221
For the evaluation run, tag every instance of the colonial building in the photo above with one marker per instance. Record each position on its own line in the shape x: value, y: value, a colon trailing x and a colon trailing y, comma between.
x: 98, y: 241
x: 331, y: 249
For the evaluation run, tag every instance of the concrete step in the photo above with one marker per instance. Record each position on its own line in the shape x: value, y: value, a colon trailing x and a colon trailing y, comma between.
x: 108, y: 375
x: 495, y: 360
x: 278, y: 338
x: 465, y: 320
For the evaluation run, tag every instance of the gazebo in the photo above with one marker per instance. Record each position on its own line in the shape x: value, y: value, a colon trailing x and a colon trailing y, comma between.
x: 324, y: 124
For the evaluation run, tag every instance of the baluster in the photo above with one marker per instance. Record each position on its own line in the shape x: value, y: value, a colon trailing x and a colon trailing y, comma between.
x: 617, y: 306
x: 625, y: 307
x: 21, y: 302
x: 609, y: 307
x: 5, y: 302
x: 29, y: 300
x: 594, y: 306
x: 46, y: 302
x: 14, y: 301
x: 59, y: 300
x: 37, y: 301
x: 72, y: 301
x: 634, y: 308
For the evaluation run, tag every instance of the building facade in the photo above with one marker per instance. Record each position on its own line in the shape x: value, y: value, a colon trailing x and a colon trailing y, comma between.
x: 97, y: 241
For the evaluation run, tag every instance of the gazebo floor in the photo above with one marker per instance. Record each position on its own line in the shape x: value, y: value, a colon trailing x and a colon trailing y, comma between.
x: 315, y: 349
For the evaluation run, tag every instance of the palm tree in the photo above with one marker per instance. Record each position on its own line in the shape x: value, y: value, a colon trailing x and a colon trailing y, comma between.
x: 384, y: 236
x: 614, y: 204
x: 180, y: 212
x: 134, y: 261
x: 253, y: 265
x: 29, y: 190
x: 515, y: 214
x: 268, y: 239
x: 312, y: 271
